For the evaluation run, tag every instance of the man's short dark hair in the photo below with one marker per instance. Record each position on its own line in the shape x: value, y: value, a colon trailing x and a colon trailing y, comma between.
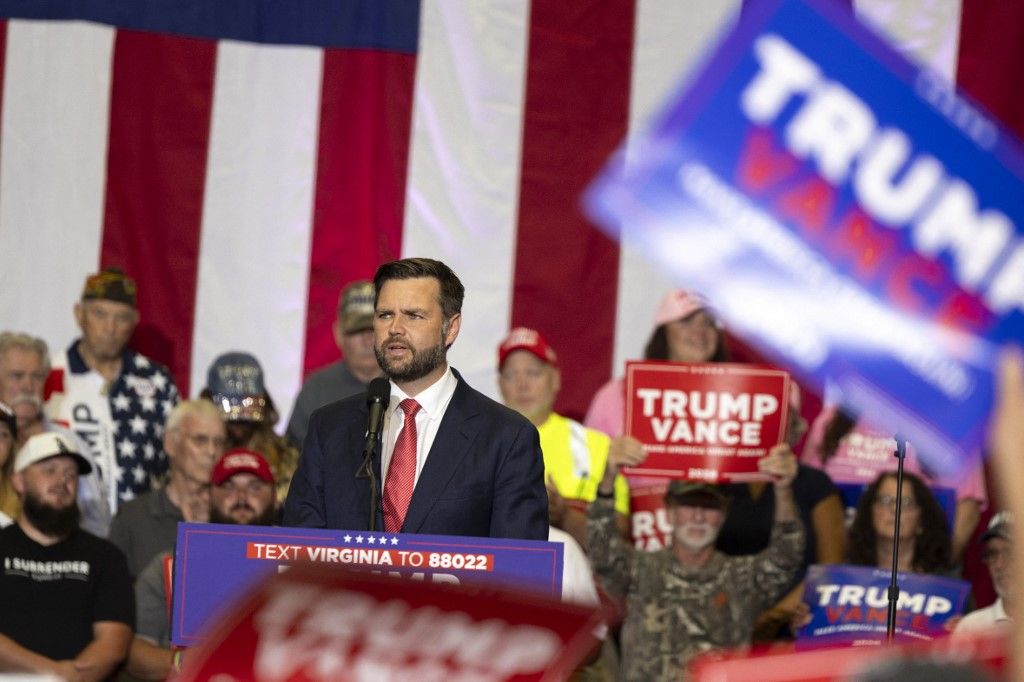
x: 451, y: 290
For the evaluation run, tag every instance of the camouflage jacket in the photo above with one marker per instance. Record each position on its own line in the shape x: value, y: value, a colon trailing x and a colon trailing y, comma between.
x: 674, y: 612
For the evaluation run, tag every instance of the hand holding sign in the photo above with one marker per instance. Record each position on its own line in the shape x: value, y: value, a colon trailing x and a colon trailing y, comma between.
x: 624, y: 451
x: 780, y: 465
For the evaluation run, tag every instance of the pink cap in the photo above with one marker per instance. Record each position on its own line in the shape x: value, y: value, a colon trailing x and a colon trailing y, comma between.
x: 679, y: 304
x: 523, y: 338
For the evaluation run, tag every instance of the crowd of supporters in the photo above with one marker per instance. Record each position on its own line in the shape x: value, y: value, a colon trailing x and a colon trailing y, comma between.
x: 100, y: 458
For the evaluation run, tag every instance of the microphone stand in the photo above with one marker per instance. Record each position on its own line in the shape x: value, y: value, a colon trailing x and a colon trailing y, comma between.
x: 366, y: 471
x: 894, y: 588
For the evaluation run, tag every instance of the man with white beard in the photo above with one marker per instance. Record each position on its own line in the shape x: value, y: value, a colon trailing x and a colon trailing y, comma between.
x: 689, y: 598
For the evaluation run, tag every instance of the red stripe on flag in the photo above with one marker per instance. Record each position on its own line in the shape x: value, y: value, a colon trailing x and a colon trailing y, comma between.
x: 360, y: 181
x: 577, y: 112
x: 990, y: 58
x: 160, y: 105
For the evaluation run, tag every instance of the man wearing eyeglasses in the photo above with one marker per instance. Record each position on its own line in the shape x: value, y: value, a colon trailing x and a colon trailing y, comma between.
x: 242, y: 493
x: 997, y: 556
x: 194, y: 438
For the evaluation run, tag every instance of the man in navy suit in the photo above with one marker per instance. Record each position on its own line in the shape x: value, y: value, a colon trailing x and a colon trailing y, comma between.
x: 453, y: 461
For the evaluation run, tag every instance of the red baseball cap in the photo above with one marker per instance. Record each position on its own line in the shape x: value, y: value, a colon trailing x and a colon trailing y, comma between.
x: 524, y: 338
x: 241, y: 460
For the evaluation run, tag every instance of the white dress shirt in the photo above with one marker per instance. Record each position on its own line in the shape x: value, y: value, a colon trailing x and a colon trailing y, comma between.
x: 433, y: 404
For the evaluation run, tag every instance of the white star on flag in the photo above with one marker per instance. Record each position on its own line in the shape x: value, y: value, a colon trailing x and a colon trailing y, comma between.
x: 372, y: 540
x: 148, y: 404
x: 127, y: 496
x: 359, y: 539
x: 160, y: 381
x: 138, y: 424
x: 127, y: 449
x: 394, y: 541
x: 348, y: 538
x: 141, y: 361
x: 139, y: 473
x: 148, y: 451
x: 122, y: 402
x: 167, y: 406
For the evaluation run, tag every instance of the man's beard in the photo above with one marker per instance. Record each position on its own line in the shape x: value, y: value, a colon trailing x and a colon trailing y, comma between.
x: 267, y: 518
x: 422, y: 363
x: 683, y: 537
x: 58, y: 522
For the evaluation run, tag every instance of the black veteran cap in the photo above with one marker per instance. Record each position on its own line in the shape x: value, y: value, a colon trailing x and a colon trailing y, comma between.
x: 110, y: 284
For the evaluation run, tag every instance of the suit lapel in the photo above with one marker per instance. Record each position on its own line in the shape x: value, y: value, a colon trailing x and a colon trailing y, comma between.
x: 450, y: 447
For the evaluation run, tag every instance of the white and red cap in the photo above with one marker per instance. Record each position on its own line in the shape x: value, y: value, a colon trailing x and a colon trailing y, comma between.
x: 524, y: 338
x: 678, y: 304
x: 1000, y: 526
x: 238, y: 461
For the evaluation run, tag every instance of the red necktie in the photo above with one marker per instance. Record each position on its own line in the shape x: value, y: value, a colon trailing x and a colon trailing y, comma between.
x: 401, y: 471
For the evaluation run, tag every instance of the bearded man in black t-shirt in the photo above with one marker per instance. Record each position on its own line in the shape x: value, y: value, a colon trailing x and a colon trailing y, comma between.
x: 67, y: 603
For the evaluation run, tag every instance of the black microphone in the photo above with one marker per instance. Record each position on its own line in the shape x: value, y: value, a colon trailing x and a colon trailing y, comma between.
x: 377, y: 398
x: 378, y: 395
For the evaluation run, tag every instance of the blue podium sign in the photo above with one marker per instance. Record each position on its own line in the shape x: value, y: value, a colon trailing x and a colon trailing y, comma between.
x: 215, y: 564
x: 851, y: 215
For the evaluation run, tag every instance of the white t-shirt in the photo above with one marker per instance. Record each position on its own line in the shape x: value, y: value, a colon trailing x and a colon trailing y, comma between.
x: 984, y: 619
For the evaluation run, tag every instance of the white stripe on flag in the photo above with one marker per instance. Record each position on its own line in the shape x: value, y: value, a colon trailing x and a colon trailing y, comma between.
x: 254, y: 254
x: 671, y: 40
x: 53, y: 135
x: 462, y: 194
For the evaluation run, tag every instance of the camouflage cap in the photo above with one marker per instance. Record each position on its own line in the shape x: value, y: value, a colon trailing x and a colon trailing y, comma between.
x: 696, y: 494
x: 355, y: 308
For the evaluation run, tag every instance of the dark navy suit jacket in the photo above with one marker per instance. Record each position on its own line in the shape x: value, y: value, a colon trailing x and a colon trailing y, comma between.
x: 484, y: 475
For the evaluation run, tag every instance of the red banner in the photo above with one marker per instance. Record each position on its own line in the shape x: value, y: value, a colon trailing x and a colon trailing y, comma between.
x: 984, y: 652
x: 649, y: 524
x: 705, y: 421
x: 310, y: 623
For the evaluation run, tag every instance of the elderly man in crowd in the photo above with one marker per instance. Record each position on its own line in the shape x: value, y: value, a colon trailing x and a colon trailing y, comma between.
x: 24, y: 364
x: 113, y: 398
x: 67, y: 607
x: 242, y: 493
x: 193, y: 439
x: 998, y: 557
x: 689, y: 598
x: 353, y: 333
x: 574, y: 456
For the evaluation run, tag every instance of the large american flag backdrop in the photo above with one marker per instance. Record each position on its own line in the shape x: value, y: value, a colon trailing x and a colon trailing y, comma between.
x: 243, y: 160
